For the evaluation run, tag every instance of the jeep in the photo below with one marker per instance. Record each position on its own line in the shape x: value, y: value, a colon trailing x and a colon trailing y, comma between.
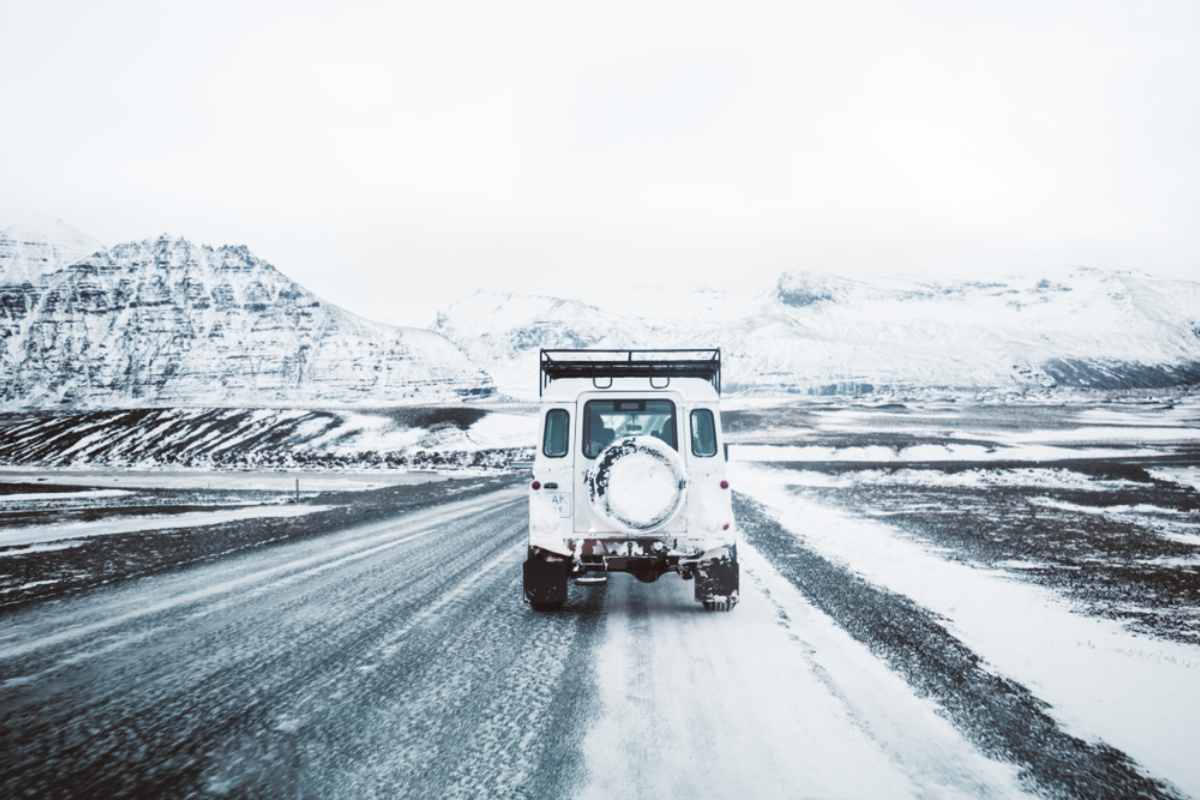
x: 629, y: 474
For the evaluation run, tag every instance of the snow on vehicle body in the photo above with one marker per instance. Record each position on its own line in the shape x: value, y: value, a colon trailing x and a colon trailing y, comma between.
x: 629, y: 473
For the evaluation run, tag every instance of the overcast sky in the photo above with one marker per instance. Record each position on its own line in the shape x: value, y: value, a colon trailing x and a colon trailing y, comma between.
x: 394, y: 156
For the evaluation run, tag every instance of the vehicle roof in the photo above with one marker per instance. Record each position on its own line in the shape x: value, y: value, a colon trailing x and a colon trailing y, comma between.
x: 567, y: 390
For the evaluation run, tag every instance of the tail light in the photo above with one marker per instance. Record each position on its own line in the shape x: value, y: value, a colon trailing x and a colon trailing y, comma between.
x: 724, y: 484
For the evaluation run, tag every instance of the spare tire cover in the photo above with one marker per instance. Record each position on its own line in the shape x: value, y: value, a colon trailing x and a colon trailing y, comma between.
x: 638, y: 484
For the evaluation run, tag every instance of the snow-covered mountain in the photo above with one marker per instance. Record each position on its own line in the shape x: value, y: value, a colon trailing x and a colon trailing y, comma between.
x: 822, y: 333
x: 36, y: 245
x: 167, y: 321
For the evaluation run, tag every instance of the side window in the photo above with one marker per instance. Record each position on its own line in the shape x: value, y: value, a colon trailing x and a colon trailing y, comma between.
x: 555, y: 442
x: 704, y: 433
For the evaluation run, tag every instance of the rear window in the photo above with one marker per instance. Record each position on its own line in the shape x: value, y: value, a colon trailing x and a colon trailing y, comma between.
x: 704, y: 433
x: 555, y: 441
x: 607, y: 420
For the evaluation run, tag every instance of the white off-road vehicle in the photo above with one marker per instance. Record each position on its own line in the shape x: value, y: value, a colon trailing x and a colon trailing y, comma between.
x: 629, y: 474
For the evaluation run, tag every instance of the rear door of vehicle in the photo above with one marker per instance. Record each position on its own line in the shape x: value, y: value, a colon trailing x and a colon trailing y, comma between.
x: 585, y: 520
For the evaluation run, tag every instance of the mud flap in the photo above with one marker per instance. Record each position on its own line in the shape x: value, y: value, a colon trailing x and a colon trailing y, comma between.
x: 716, y: 584
x: 546, y: 577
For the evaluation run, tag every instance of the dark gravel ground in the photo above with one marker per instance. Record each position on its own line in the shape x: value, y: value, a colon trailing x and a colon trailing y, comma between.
x: 1001, y: 717
x: 57, y: 505
x: 37, y: 488
x: 114, y: 558
x: 226, y: 438
x: 944, y: 416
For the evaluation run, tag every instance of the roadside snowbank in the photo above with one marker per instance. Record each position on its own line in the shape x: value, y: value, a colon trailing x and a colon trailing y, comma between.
x: 1139, y: 694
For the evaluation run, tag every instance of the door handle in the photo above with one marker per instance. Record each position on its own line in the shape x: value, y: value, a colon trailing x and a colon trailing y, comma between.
x: 550, y: 485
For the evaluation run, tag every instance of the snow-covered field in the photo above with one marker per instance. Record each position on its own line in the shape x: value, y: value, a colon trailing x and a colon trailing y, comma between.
x: 973, y: 625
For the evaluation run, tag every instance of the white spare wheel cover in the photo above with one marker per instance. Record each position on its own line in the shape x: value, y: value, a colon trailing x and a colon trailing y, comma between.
x: 638, y: 484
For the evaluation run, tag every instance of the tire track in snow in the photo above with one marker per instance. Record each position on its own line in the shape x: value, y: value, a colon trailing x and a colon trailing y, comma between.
x: 771, y: 700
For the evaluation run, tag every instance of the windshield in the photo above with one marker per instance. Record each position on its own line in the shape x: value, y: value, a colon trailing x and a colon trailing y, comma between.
x: 606, y: 420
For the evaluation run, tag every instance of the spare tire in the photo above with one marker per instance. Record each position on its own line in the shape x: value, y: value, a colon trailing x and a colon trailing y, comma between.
x: 638, y: 484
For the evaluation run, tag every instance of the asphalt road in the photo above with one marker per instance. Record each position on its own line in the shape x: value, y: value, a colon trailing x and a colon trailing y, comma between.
x: 389, y: 660
x: 397, y: 659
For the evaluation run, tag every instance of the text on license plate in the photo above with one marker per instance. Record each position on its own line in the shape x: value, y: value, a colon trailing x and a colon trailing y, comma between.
x: 562, y: 502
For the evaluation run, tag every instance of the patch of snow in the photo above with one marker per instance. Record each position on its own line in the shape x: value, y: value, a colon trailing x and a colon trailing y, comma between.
x: 29, y: 585
x: 1117, y: 510
x: 504, y: 430
x: 1054, y: 477
x: 150, y: 522
x: 251, y: 480
x: 90, y: 494
x: 1089, y: 435
x: 917, y: 453
x: 40, y: 548
x: 1184, y: 476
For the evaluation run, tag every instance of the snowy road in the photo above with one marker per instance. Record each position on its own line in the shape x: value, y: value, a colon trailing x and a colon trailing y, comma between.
x: 397, y: 660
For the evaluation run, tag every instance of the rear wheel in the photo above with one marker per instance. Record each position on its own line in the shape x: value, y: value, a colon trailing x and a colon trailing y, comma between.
x: 717, y: 582
x: 546, y: 577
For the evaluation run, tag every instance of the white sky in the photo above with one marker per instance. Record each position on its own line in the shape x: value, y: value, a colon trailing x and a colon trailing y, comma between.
x: 395, y: 156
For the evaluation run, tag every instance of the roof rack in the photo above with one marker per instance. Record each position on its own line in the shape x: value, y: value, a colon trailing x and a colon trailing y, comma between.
x: 704, y: 363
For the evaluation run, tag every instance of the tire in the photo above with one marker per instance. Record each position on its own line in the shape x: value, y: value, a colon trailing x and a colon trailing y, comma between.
x: 545, y: 578
x: 718, y: 582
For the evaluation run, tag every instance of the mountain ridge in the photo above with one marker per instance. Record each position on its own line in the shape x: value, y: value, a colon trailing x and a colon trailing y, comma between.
x: 818, y: 332
x: 168, y: 321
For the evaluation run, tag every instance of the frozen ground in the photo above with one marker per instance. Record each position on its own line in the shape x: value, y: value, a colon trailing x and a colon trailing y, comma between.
x: 199, y: 479
x: 58, y: 538
x: 13, y: 536
x: 459, y: 436
x: 994, y: 627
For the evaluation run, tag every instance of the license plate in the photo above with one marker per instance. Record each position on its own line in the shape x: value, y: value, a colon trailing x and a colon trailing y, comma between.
x: 563, y: 503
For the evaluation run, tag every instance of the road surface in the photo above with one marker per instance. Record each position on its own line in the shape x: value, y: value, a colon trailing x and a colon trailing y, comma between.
x: 397, y: 660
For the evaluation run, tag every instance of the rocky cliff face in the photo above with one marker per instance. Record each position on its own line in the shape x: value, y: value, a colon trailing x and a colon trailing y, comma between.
x: 167, y: 321
x: 818, y: 333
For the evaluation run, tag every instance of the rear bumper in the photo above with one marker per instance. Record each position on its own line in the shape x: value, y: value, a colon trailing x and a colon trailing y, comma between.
x: 647, y: 558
